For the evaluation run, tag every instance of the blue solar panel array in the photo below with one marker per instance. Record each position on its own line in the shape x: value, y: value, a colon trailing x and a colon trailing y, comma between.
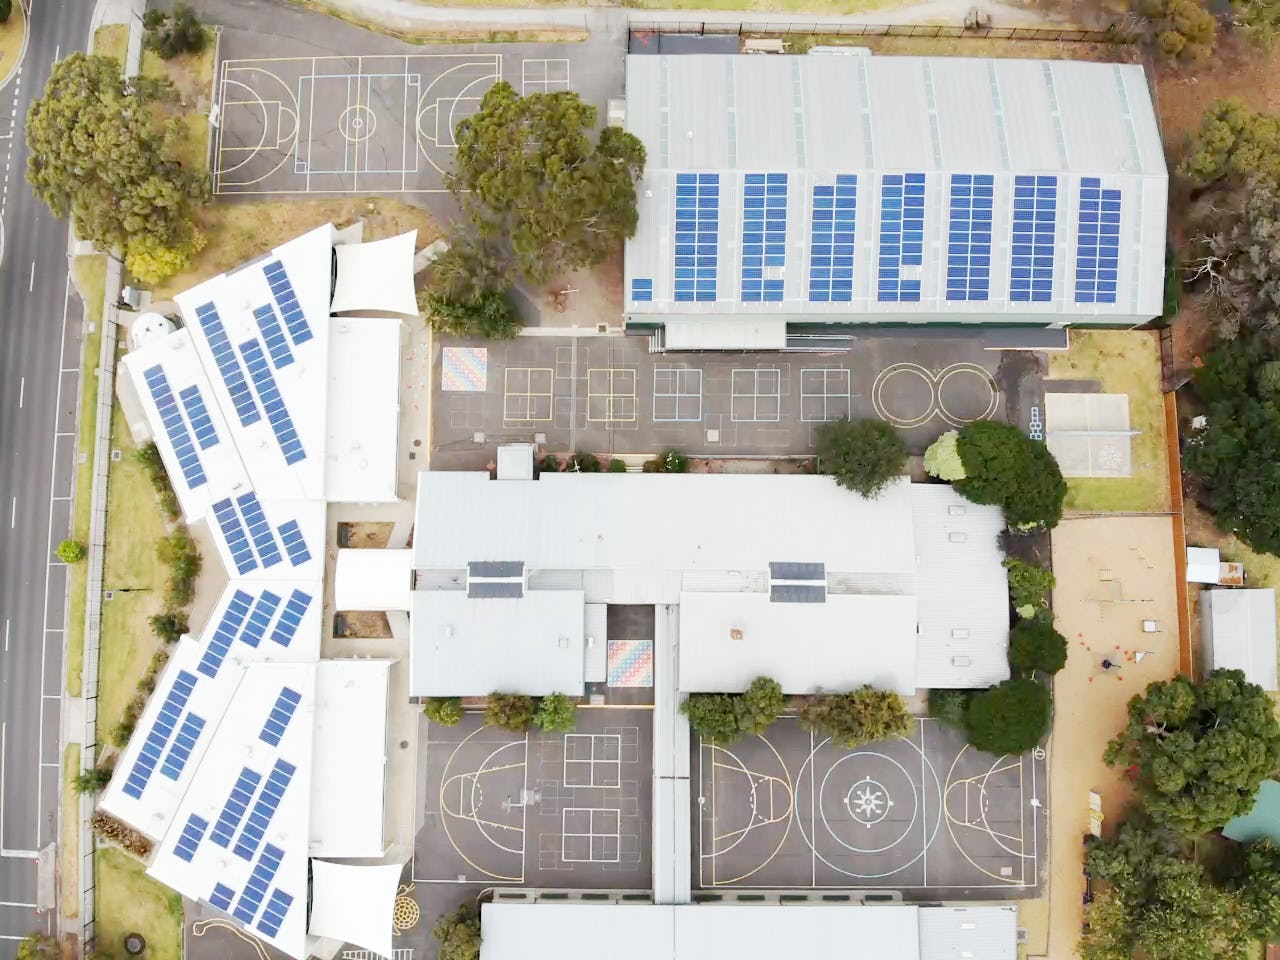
x: 764, y: 235
x: 264, y: 541
x: 175, y: 427
x: 228, y: 366
x: 233, y: 532
x: 273, y: 336
x: 294, y: 319
x: 215, y: 650
x: 1098, y: 249
x: 260, y: 619
x: 264, y: 808
x: 198, y: 414
x: 697, y: 236
x: 642, y: 290
x: 158, y: 736
x: 294, y: 610
x: 189, y: 839
x: 1035, y: 211
x: 221, y: 896
x: 274, y: 914
x: 277, y: 413
x: 969, y: 237
x: 280, y: 716
x: 294, y: 544
x: 264, y: 871
x: 831, y: 249
x: 901, y: 236
x: 182, y: 746
x: 234, y: 809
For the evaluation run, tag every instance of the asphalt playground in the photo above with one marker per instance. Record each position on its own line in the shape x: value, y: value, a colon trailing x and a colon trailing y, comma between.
x: 926, y: 815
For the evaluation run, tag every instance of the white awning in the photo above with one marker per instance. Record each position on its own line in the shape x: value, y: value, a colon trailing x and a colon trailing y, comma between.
x: 373, y: 579
x: 376, y: 276
x: 1202, y: 564
x: 354, y: 904
x: 729, y: 333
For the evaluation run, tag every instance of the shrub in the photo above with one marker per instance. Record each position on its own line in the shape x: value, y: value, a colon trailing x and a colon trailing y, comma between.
x: 1005, y: 467
x: 550, y: 463
x: 1028, y: 584
x: 713, y: 716
x: 949, y: 707
x: 556, y: 714
x: 6, y: 10
x: 1036, y: 647
x: 584, y: 463
x: 1009, y: 718
x: 1183, y: 29
x: 445, y: 711
x: 1233, y: 141
x: 673, y: 461
x: 490, y: 315
x: 459, y: 933
x: 71, y: 551
x: 169, y: 625
x: 173, y: 34
x: 617, y: 466
x: 178, y: 552
x: 122, y: 731
x: 150, y: 261
x: 942, y: 458
x: 91, y: 781
x: 863, y: 455
x: 149, y: 456
x: 112, y: 830
x: 862, y: 716
x: 510, y: 711
x: 761, y: 704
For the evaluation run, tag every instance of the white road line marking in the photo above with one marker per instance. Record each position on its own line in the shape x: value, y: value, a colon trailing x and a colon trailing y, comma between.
x: 13, y: 514
x: 22, y: 391
x: 56, y: 50
x: 32, y: 285
x: 6, y: 635
x: 13, y: 903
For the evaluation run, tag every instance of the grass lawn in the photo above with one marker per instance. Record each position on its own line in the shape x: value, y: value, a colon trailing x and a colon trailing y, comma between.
x: 1123, y: 361
x: 11, y: 33
x: 90, y: 279
x: 69, y: 842
x: 127, y: 901
x: 132, y: 570
x: 191, y: 74
x: 241, y: 231
x: 112, y: 41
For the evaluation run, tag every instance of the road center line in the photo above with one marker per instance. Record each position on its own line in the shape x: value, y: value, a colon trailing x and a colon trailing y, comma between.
x: 13, y: 514
x: 6, y: 635
x: 22, y: 391
x: 32, y: 284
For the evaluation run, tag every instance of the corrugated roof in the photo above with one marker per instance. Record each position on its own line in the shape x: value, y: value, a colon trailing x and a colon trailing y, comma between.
x: 969, y: 933
x: 1242, y: 627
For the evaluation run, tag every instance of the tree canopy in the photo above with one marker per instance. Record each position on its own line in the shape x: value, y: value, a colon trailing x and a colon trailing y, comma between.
x: 862, y: 455
x: 724, y: 717
x: 467, y: 295
x: 942, y: 458
x: 861, y: 716
x: 1005, y: 467
x: 1009, y: 718
x: 1036, y: 647
x: 101, y: 154
x: 175, y: 32
x: 459, y: 933
x: 445, y: 711
x: 510, y: 711
x: 1198, y: 751
x: 556, y: 714
x: 1182, y: 29
x: 538, y: 189
x: 761, y: 704
x: 1232, y: 141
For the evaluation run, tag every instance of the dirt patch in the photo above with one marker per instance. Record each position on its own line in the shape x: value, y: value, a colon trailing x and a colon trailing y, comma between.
x: 734, y: 465
x: 365, y: 534
x: 583, y: 298
x: 365, y: 623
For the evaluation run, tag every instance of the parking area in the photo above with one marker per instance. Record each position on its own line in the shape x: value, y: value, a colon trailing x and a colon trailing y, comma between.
x: 542, y: 810
x: 926, y: 815
x: 609, y: 395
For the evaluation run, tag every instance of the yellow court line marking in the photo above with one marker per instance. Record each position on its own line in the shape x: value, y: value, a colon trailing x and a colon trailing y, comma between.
x: 950, y: 820
x: 444, y: 821
x: 788, y: 784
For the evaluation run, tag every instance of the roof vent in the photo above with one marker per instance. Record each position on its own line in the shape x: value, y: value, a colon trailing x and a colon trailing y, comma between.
x: 961, y: 662
x: 957, y: 536
x: 959, y: 633
x: 735, y: 633
x: 956, y: 510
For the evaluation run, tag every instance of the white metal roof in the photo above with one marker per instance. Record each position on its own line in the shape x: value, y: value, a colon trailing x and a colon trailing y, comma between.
x: 807, y: 120
x: 363, y: 405
x: 1202, y: 565
x: 983, y: 932
x: 353, y: 903
x: 849, y: 640
x: 377, y: 276
x: 373, y: 579
x: 1243, y: 632
x: 349, y: 760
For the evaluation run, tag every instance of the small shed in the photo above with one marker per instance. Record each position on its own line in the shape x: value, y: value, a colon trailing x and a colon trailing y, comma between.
x: 1202, y: 565
x: 1238, y: 629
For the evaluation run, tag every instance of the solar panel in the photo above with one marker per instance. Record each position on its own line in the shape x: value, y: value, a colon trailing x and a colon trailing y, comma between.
x: 274, y: 913
x: 264, y: 541
x: 642, y: 291
x: 182, y: 746
x: 901, y: 236
x: 764, y: 235
x: 831, y: 241
x: 797, y: 571
x: 294, y: 544
x: 279, y: 717
x: 273, y: 336
x: 224, y: 635
x: 1035, y: 214
x: 1097, y: 243
x: 228, y: 366
x: 797, y: 593
x: 264, y: 808
x: 221, y: 896
x: 175, y: 427
x: 291, y: 617
x: 697, y: 236
x: 969, y: 237
x: 495, y: 568
x: 264, y: 871
x: 159, y: 734
x: 282, y: 289
x: 189, y: 839
x: 272, y: 402
x: 234, y: 809
x: 233, y: 532
x: 198, y: 414
x: 263, y: 611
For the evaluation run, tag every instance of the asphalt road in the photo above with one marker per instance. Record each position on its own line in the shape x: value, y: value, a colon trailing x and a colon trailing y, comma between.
x: 39, y: 385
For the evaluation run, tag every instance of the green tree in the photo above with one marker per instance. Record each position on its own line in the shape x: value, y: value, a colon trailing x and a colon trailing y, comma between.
x: 489, y: 315
x: 1259, y: 19
x: 713, y: 716
x: 6, y: 10
x: 863, y: 455
x: 1005, y: 467
x: 510, y: 711
x: 1257, y: 882
x: 950, y: 707
x: 174, y: 33
x: 91, y: 781
x: 1182, y: 29
x: 39, y: 946
x: 178, y: 552
x: 1197, y: 752
x: 556, y: 714
x: 1036, y: 647
x: 1009, y: 718
x: 1029, y: 585
x: 761, y: 704
x: 150, y: 261
x: 102, y: 155
x: 71, y: 551
x: 1233, y: 140
x: 459, y: 933
x: 861, y: 716
x: 537, y: 188
x: 942, y: 458
x: 584, y: 463
x: 444, y: 711
x: 169, y: 625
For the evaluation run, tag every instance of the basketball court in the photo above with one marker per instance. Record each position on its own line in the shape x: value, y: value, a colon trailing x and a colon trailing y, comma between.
x: 375, y: 124
x: 566, y: 810
x: 790, y: 810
